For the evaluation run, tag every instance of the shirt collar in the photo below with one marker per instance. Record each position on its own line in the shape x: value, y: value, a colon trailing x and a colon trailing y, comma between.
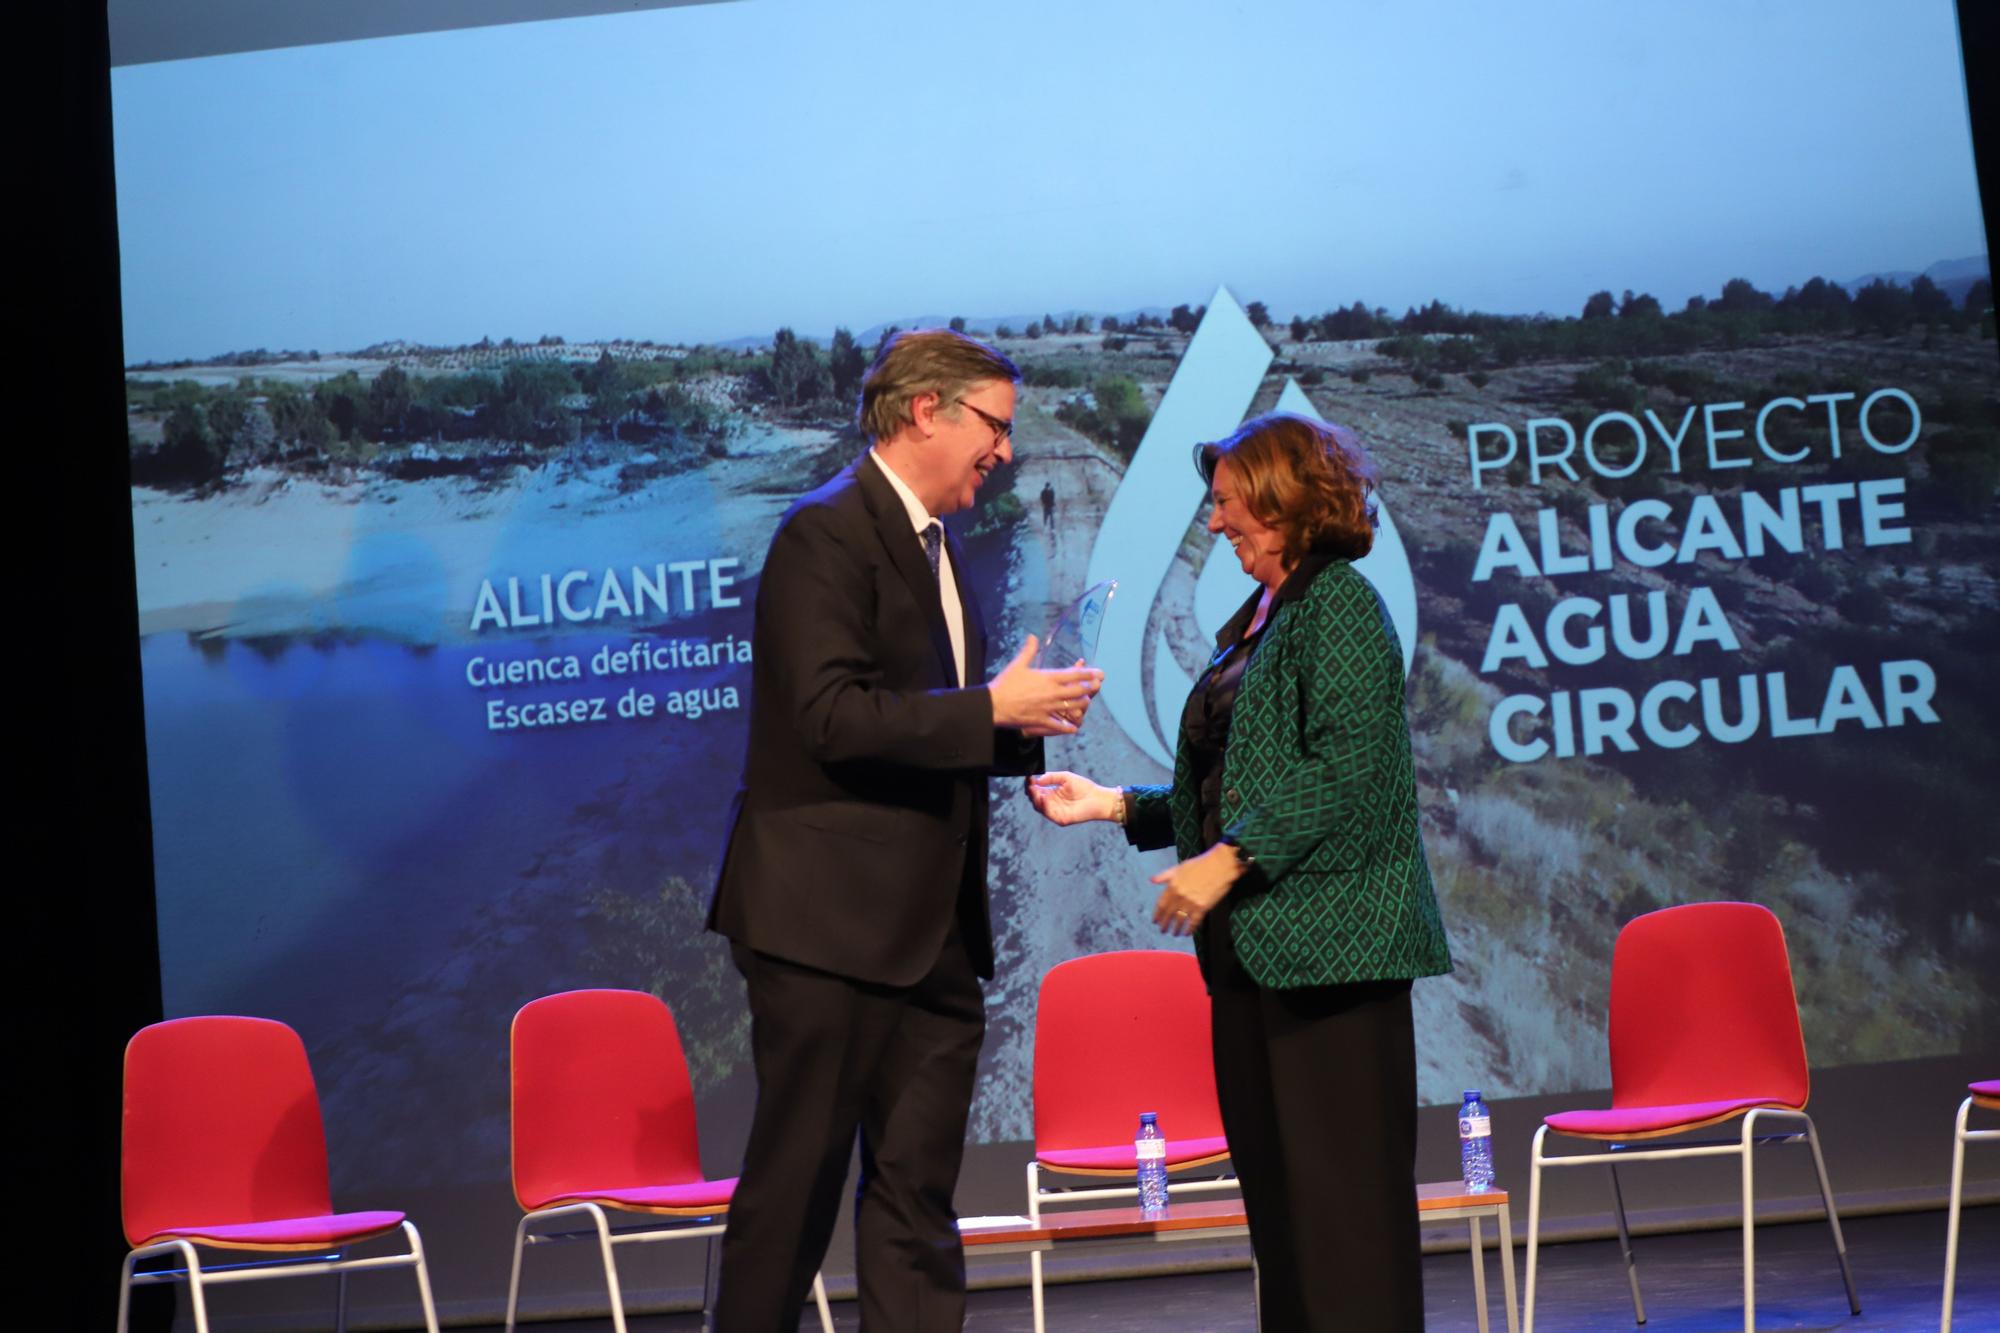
x: 1296, y: 585
x: 1310, y: 564
x: 920, y: 517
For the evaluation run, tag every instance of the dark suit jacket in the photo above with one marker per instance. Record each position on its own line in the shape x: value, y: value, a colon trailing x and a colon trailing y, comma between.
x: 859, y: 830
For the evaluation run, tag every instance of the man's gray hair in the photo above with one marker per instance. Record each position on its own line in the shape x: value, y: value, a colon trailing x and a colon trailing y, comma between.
x: 924, y: 361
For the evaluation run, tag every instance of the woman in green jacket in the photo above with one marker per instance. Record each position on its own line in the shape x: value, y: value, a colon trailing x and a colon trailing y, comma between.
x: 1303, y: 880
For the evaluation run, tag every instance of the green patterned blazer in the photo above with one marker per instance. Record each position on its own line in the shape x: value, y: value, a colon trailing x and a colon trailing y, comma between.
x: 1319, y: 790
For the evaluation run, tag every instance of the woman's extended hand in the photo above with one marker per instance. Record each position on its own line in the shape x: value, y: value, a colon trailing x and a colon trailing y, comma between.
x: 1071, y: 798
x: 1194, y: 887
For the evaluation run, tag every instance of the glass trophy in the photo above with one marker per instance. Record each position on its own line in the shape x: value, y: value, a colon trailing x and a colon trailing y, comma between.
x: 1073, y: 638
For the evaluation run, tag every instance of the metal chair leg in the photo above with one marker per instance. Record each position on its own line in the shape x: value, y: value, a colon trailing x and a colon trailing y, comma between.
x: 125, y: 1288
x: 423, y: 1278
x: 340, y: 1298
x: 1749, y: 1227
x: 195, y: 1296
x: 1951, y: 1227
x: 819, y: 1299
x: 514, y: 1280
x: 1534, y: 1226
x: 1035, y: 1256
x: 610, y: 1267
x: 1833, y: 1219
x: 711, y: 1281
x: 1625, y: 1246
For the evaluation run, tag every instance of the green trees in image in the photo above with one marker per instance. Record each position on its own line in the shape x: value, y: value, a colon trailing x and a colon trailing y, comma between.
x: 1642, y: 306
x: 1116, y: 414
x: 797, y: 376
x: 297, y: 421
x: 1928, y: 301
x: 610, y: 390
x: 389, y: 401
x: 1883, y: 307
x: 190, y: 450
x: 846, y: 363
x: 341, y: 400
x: 529, y: 406
x: 1356, y: 321
x: 1741, y: 297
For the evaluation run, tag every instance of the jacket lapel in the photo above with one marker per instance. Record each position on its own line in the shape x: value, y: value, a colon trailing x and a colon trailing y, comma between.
x: 906, y: 555
x: 1227, y: 637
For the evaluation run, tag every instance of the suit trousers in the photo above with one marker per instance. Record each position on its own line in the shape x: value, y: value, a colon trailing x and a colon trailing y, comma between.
x: 835, y: 1057
x: 1318, y: 1091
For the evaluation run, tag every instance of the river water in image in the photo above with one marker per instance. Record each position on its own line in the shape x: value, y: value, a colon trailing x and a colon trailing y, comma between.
x: 328, y: 814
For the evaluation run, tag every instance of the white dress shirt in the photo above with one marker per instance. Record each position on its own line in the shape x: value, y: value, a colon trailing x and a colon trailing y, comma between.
x: 921, y: 518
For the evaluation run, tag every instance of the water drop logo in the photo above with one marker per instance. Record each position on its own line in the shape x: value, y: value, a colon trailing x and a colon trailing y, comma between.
x: 1209, y: 396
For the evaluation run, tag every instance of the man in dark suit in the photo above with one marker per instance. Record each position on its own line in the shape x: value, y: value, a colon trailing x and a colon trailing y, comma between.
x: 853, y: 887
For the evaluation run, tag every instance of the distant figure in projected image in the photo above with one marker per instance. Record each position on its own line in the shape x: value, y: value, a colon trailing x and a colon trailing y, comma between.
x: 1293, y: 808
x: 853, y: 886
x: 1049, y: 505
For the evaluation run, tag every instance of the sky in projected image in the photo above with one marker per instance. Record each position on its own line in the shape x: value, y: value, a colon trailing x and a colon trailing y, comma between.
x: 711, y: 172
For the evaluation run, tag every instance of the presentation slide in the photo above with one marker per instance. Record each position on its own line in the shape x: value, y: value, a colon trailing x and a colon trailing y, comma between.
x: 469, y: 372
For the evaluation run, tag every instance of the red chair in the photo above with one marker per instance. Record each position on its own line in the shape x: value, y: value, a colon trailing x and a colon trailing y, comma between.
x: 223, y: 1149
x: 1117, y: 1034
x: 604, y: 1118
x: 1704, y: 1027
x: 1986, y: 1095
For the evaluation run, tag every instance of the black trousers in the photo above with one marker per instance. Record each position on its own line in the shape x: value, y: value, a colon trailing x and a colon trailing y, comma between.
x: 835, y: 1056
x: 1318, y: 1090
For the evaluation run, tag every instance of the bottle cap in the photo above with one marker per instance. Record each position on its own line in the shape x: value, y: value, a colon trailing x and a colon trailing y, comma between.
x: 1472, y: 1095
x: 1149, y: 1117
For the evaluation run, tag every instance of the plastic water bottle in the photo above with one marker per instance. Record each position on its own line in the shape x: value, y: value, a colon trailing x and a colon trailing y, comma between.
x: 1151, y: 1149
x: 1475, y: 1143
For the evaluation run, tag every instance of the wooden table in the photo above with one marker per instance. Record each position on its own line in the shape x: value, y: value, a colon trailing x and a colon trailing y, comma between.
x: 1223, y: 1219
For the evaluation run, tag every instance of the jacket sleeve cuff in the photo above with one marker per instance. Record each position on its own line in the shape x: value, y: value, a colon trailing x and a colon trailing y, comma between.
x: 1149, y: 821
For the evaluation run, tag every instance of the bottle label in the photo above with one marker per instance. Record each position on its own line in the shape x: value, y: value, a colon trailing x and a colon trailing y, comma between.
x: 1475, y: 1126
x: 1151, y: 1150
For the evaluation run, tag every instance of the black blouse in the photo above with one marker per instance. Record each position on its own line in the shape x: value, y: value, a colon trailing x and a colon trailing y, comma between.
x: 1205, y: 726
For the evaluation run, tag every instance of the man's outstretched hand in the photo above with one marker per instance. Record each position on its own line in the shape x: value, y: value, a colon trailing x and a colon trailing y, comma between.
x: 1038, y: 702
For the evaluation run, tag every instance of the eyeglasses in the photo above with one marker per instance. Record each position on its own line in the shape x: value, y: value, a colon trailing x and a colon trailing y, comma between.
x: 1003, y: 429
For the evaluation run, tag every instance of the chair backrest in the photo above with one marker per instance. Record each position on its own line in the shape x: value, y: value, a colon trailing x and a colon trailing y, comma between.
x: 1702, y: 1009
x: 602, y: 1098
x: 1117, y: 1034
x: 221, y: 1126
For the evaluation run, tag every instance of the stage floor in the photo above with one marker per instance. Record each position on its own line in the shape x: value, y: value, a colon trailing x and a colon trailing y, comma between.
x: 1691, y: 1283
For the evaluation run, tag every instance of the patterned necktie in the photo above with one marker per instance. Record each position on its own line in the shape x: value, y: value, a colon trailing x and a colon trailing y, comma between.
x: 933, y: 543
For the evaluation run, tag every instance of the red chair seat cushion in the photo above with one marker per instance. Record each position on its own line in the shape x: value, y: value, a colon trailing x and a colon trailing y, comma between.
x: 1989, y: 1087
x: 1123, y: 1157
x: 286, y: 1233
x: 692, y: 1195
x: 1652, y: 1119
